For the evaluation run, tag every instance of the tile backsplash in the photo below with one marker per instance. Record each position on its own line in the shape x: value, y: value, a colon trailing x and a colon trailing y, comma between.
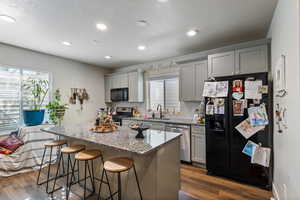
x: 187, y: 108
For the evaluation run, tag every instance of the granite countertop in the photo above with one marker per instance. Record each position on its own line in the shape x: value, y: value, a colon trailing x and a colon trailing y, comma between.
x: 168, y: 121
x: 122, y: 139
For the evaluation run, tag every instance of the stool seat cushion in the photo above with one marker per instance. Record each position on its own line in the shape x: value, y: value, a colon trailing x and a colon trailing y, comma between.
x: 117, y: 165
x: 73, y: 149
x: 88, y: 154
x: 56, y: 143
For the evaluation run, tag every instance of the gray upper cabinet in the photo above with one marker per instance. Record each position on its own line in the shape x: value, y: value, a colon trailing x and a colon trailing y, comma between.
x: 119, y: 81
x: 187, y: 82
x: 251, y: 60
x: 192, y: 77
x: 241, y: 61
x: 201, y: 76
x: 136, y: 86
x: 221, y: 64
x: 107, y: 84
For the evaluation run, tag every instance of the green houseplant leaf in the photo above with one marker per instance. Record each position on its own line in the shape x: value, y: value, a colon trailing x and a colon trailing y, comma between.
x: 55, y: 109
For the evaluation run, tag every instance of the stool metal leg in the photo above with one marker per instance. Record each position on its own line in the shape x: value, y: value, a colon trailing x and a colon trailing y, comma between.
x: 119, y: 187
x: 58, y: 167
x: 91, y: 176
x: 49, y: 169
x: 78, y: 172
x: 85, y: 164
x: 70, y: 184
x: 137, y: 181
x: 41, y: 165
x: 107, y: 182
x: 101, y: 180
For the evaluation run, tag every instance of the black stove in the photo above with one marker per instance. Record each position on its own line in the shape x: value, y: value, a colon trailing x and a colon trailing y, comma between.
x: 122, y: 112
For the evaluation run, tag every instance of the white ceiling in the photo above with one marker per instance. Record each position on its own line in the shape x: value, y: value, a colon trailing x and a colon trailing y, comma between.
x: 43, y: 24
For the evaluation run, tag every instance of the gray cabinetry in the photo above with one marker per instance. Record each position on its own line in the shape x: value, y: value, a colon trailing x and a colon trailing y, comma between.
x: 221, y: 64
x: 240, y: 61
x: 201, y: 76
x: 198, y: 144
x: 251, y: 60
x: 187, y: 82
x: 119, y: 81
x: 107, y: 87
x: 192, y: 77
x: 136, y: 86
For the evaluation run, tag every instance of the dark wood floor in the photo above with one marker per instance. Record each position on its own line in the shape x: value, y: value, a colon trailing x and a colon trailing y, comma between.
x: 195, y: 185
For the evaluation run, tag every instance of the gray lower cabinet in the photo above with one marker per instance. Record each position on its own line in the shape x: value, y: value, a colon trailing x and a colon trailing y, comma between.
x: 198, y: 144
x: 251, y: 60
x: 192, y: 77
x: 241, y: 61
x: 221, y: 64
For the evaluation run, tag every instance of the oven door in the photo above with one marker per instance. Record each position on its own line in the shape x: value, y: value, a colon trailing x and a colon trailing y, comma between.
x: 120, y: 94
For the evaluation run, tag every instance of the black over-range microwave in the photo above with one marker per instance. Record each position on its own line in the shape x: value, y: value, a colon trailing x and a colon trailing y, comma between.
x: 120, y: 94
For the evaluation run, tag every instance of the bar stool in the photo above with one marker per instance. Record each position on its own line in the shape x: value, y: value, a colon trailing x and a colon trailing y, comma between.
x: 86, y: 156
x: 119, y: 165
x: 68, y: 151
x: 55, y: 143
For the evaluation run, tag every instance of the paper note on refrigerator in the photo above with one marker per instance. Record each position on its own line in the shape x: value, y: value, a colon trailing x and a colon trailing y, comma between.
x: 252, y: 89
x: 246, y: 129
x: 249, y: 148
x: 210, y: 89
x: 258, y: 115
x: 215, y: 89
x: 261, y: 156
x: 222, y: 89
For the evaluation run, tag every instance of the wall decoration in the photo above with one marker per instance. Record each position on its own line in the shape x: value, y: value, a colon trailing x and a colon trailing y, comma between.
x: 280, y: 77
x: 79, y: 94
x: 280, y: 118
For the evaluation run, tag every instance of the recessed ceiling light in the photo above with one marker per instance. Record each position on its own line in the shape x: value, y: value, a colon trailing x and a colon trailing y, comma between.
x: 7, y: 18
x: 108, y: 57
x: 162, y: 1
x: 101, y: 27
x: 192, y: 33
x: 142, y: 47
x: 66, y: 43
x: 142, y: 23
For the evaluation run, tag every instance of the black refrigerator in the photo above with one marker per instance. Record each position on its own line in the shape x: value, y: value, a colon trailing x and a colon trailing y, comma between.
x: 224, y: 144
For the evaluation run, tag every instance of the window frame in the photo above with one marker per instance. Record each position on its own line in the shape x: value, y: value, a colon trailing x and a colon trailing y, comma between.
x: 164, y: 85
x: 5, y: 132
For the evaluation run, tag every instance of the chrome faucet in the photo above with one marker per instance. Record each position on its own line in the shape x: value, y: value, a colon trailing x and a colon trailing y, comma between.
x: 159, y: 107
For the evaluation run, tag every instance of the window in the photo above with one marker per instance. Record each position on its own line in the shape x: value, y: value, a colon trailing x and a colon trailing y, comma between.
x: 164, y: 92
x: 12, y: 98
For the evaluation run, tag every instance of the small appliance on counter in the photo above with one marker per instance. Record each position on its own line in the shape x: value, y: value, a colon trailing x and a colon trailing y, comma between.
x: 122, y: 112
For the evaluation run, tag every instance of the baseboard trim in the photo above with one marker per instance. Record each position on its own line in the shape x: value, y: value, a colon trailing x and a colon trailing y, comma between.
x: 275, y: 192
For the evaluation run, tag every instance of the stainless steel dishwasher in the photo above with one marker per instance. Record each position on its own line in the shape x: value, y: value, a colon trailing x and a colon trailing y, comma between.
x: 185, y: 139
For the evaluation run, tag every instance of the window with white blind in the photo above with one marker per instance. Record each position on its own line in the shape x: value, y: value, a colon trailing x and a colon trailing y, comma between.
x: 164, y: 92
x: 12, y: 97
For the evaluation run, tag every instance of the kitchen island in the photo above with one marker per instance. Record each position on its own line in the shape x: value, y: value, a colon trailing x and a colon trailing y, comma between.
x: 157, y: 158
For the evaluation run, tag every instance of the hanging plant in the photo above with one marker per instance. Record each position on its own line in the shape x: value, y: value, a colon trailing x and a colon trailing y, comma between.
x: 55, y: 109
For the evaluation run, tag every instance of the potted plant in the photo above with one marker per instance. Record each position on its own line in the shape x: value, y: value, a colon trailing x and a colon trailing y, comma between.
x: 38, y: 90
x: 55, y: 109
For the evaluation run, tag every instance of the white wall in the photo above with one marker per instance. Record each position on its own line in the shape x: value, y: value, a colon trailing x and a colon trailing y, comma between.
x: 66, y: 74
x: 284, y: 32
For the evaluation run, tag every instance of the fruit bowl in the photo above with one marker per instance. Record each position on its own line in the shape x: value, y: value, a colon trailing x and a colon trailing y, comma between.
x: 139, y: 128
